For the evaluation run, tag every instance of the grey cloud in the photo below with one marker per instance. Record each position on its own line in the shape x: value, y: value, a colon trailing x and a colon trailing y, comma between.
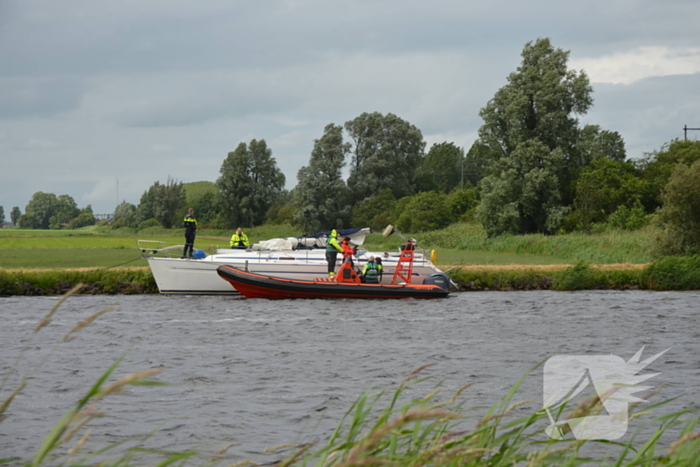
x: 38, y: 97
x: 201, y: 77
x: 272, y: 34
x: 649, y: 112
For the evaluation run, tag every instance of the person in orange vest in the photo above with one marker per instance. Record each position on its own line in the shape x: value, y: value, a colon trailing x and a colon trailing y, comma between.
x: 348, y: 251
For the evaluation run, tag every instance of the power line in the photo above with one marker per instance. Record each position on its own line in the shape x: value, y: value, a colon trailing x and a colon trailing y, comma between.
x: 685, y: 131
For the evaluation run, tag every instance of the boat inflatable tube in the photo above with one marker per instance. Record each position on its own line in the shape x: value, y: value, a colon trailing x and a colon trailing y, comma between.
x: 440, y: 279
x: 199, y: 254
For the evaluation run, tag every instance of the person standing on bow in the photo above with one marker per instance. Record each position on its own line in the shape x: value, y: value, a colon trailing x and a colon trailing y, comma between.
x: 332, y: 249
x: 239, y: 240
x: 190, y: 232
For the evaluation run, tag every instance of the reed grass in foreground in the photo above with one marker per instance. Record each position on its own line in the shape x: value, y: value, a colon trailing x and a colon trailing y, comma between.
x: 428, y: 431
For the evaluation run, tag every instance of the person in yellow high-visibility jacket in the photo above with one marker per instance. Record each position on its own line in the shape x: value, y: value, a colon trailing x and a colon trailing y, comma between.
x: 332, y: 249
x: 239, y: 239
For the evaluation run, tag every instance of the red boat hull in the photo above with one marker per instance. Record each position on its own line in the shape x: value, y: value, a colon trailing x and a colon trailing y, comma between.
x: 258, y: 286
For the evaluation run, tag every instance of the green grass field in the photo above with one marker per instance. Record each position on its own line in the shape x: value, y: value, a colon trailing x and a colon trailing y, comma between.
x: 458, y: 244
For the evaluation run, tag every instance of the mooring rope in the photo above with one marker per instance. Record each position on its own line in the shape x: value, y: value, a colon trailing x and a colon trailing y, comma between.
x: 122, y: 264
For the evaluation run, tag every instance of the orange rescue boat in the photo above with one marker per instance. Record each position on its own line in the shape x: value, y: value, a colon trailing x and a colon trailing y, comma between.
x: 346, y: 284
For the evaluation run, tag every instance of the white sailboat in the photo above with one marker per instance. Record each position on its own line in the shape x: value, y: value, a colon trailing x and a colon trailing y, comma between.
x: 302, y: 258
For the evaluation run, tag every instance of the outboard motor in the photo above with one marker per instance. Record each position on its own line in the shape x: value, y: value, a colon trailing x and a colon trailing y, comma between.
x: 440, y: 279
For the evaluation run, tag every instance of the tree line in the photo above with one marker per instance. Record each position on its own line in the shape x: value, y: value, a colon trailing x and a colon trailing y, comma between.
x: 533, y: 169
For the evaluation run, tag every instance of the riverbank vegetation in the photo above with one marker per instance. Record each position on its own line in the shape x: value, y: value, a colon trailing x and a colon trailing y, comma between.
x: 59, y: 281
x: 411, y: 424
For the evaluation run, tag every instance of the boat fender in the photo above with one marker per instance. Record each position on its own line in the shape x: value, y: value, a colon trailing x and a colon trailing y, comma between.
x: 440, y: 279
x: 433, y: 256
x: 199, y: 254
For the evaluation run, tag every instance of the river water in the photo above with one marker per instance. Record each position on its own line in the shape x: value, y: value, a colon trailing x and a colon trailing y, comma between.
x: 263, y: 373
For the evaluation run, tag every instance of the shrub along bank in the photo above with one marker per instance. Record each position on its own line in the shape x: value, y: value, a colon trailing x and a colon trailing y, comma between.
x: 670, y: 273
x: 60, y: 281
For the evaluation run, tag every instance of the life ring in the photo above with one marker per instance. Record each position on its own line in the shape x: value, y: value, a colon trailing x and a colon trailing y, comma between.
x: 433, y: 256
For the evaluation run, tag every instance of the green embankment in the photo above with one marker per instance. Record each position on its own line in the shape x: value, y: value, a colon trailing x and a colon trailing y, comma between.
x: 60, y: 281
x: 108, y: 261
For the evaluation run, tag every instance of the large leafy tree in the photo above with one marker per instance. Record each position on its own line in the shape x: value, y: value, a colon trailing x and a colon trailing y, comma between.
x: 47, y: 211
x: 534, y: 116
x: 475, y: 165
x: 603, y: 187
x: 250, y: 183
x: 541, y: 101
x: 161, y: 202
x: 425, y: 211
x: 2, y: 216
x: 657, y: 167
x: 441, y: 169
x: 66, y: 210
x: 204, y: 198
x: 321, y: 193
x: 522, y: 194
x: 387, y: 152
x: 84, y: 219
x: 375, y: 212
x: 39, y: 211
x: 595, y: 143
x: 462, y: 203
x: 124, y: 215
x: 679, y: 217
x: 15, y: 214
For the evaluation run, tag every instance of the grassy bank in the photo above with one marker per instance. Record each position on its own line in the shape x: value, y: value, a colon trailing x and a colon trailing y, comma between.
x: 59, y: 281
x: 458, y: 244
x: 611, y: 247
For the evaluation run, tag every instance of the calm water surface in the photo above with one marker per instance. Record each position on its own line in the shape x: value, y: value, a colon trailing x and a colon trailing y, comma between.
x: 262, y: 373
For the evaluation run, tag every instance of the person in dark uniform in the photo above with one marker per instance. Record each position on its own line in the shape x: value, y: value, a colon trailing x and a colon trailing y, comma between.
x: 190, y: 232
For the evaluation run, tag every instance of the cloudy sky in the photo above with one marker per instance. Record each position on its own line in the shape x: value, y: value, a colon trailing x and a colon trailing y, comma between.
x: 99, y: 99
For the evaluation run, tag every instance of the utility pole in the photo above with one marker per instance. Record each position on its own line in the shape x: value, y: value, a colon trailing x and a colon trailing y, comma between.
x: 685, y: 131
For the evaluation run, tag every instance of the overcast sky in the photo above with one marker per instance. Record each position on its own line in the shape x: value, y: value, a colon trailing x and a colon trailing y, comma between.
x: 100, y: 99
